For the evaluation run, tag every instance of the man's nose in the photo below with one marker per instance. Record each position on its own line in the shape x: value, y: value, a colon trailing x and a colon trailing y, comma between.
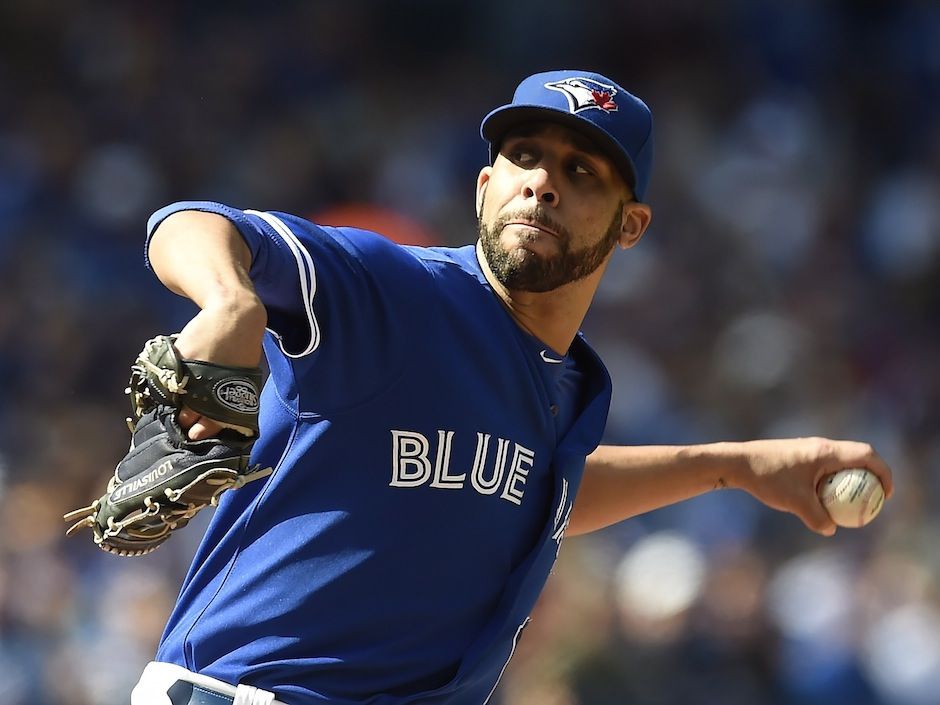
x: 539, y: 185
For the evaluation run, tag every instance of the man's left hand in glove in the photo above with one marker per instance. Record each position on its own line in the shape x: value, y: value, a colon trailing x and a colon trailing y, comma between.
x: 166, y: 477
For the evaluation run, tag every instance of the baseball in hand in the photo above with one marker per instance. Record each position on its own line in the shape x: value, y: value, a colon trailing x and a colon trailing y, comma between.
x: 852, y: 497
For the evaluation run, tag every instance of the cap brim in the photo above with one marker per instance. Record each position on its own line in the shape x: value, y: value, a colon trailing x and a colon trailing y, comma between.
x: 495, y: 126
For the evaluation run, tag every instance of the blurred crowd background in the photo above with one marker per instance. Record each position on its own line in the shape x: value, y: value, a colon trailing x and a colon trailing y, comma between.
x: 788, y: 286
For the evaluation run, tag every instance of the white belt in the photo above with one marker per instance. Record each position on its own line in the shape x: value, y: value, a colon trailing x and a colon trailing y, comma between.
x: 158, y: 677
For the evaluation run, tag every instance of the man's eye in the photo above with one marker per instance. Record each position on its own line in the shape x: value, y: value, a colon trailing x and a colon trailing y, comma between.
x: 522, y: 156
x: 581, y: 169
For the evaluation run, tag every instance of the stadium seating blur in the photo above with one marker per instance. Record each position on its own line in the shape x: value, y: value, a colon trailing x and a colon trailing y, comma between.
x: 790, y: 285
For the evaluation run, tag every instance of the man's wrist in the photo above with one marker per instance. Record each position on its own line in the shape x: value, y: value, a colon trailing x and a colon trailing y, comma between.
x: 241, y: 307
x: 228, y: 331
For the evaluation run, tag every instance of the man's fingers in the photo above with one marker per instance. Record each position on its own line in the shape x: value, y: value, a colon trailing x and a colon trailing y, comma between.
x: 881, y: 469
x: 818, y: 520
x: 197, y: 427
x: 198, y: 431
x: 866, y: 456
x: 810, y: 509
x: 187, y: 417
x: 204, y: 428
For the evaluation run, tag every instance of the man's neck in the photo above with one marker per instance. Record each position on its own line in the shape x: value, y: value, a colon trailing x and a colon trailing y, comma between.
x: 554, y: 317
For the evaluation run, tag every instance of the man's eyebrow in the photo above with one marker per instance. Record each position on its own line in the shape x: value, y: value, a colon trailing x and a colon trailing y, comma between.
x: 574, y: 139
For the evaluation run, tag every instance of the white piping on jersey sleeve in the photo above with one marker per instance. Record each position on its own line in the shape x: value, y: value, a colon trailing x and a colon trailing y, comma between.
x: 308, y: 280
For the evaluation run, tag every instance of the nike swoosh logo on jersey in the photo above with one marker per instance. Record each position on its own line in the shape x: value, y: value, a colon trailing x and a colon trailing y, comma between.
x: 544, y: 356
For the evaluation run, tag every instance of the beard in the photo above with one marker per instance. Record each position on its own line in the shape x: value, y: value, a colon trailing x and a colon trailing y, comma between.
x: 523, y: 270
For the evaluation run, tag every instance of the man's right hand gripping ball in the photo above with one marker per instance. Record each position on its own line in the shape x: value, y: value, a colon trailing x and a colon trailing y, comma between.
x: 166, y: 478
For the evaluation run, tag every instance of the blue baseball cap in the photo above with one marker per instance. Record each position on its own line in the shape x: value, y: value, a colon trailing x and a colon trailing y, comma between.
x: 619, y: 123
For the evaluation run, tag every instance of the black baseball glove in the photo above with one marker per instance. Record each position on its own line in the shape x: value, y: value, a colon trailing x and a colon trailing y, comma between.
x: 165, y: 478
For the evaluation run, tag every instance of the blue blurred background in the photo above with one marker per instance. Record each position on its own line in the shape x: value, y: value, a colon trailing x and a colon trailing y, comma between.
x: 788, y: 286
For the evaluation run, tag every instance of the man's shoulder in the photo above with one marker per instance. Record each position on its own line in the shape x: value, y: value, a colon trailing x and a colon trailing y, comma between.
x: 449, y: 260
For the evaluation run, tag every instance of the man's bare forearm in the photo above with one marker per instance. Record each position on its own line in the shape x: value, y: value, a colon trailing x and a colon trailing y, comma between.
x: 203, y: 257
x: 624, y: 481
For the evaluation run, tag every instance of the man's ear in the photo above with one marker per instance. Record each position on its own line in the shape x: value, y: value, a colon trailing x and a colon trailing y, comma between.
x: 636, y: 219
x: 482, y: 180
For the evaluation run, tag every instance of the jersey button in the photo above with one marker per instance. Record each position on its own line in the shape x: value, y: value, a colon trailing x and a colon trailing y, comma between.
x: 554, y: 409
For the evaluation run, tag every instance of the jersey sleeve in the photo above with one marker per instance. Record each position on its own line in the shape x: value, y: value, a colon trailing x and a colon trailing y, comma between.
x: 341, y: 302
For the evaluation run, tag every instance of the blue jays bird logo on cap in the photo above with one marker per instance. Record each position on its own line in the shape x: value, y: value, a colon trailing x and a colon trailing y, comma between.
x: 585, y: 93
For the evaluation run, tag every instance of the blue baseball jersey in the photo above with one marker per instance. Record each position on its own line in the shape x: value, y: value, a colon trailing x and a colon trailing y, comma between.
x: 426, y: 454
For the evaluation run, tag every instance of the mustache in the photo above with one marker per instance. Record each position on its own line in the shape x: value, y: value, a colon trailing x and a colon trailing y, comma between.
x: 535, y: 215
